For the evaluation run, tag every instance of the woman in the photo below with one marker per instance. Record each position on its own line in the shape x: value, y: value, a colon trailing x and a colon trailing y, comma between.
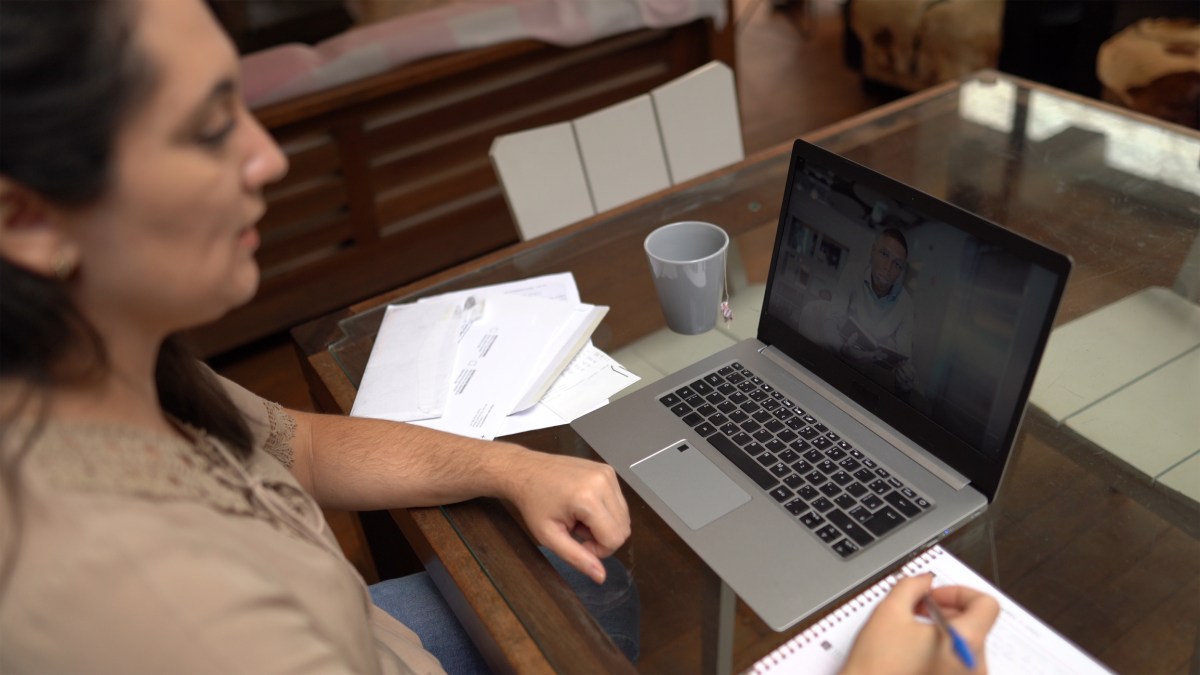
x: 159, y: 518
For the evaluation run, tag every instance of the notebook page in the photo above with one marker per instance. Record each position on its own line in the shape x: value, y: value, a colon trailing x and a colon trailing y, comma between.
x: 1018, y: 643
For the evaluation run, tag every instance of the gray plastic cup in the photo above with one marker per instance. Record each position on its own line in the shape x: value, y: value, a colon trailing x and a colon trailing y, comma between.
x: 687, y: 260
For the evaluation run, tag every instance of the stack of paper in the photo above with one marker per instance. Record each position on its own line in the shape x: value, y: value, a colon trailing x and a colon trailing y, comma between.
x: 490, y: 361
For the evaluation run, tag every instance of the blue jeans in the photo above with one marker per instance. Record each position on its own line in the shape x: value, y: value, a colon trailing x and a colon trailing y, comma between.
x: 416, y: 603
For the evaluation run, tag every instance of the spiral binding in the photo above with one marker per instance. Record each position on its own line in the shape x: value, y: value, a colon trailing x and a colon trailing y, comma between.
x: 861, y: 601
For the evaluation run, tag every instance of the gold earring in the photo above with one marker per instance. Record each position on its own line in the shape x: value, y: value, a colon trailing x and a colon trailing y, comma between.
x: 64, y: 266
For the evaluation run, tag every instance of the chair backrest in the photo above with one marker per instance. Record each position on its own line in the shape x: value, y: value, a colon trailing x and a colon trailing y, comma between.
x: 560, y: 174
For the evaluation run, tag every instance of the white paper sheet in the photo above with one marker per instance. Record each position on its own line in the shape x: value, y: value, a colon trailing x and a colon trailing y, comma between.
x: 494, y: 363
x: 587, y: 383
x: 410, y: 364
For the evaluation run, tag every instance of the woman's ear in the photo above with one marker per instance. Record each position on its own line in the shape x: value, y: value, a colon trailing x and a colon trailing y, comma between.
x: 32, y: 233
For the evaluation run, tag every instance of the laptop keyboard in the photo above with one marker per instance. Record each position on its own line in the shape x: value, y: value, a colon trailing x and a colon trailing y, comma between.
x: 844, y: 497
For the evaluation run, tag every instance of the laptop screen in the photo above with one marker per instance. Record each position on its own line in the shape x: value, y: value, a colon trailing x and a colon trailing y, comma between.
x: 945, y: 320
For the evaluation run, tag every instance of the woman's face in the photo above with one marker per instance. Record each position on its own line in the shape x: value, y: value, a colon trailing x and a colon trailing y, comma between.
x: 171, y: 243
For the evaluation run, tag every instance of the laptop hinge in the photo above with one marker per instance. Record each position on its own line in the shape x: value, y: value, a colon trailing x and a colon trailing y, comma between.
x: 932, y: 464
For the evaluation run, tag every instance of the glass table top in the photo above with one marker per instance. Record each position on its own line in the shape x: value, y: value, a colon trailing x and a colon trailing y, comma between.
x: 1095, y: 528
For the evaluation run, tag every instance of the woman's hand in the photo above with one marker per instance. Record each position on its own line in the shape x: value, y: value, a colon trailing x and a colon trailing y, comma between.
x: 571, y: 506
x: 894, y: 641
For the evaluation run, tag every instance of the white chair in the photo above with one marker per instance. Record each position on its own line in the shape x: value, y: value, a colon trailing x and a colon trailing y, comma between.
x: 560, y: 174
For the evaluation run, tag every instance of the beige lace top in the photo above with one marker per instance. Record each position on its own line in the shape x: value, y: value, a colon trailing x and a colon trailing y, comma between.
x: 140, y: 552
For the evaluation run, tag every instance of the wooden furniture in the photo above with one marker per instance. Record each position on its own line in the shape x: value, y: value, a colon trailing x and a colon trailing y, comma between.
x: 1104, y: 556
x: 390, y: 180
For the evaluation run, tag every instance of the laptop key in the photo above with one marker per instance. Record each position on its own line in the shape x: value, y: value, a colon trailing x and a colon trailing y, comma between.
x: 726, y: 407
x: 670, y: 400
x: 751, y: 468
x: 922, y: 503
x: 738, y: 397
x: 714, y: 379
x: 879, y: 487
x: 787, y: 436
x: 802, y: 467
x: 759, y: 395
x: 849, y: 464
x: 725, y: 371
x: 706, y: 410
x: 883, y: 521
x: 766, y: 458
x: 715, y: 398
x: 872, y: 502
x: 835, y: 453
x: 780, y: 494
x: 763, y: 417
x: 826, y: 466
x: 842, y: 478
x: 852, y: 529
x: 684, y: 392
x: 808, y: 492
x: 830, y: 489
x: 701, y: 387
x: 779, y: 470
x: 822, y: 504
x: 762, y: 436
x: 793, y: 481
x: 776, y: 447
x: 681, y: 409
x: 812, y: 519
x: 844, y: 501
x: 705, y: 429
x: 738, y: 416
x: 796, y: 507
x: 754, y: 449
x: 902, y: 505
x: 856, y: 489
x: 828, y: 533
x: 750, y: 407
x: 815, y: 477
x: 742, y: 438
x: 718, y: 420
x: 845, y: 548
x: 730, y: 429
x: 750, y: 426
x: 864, y: 475
x: 727, y: 389
x: 821, y: 442
x: 693, y: 418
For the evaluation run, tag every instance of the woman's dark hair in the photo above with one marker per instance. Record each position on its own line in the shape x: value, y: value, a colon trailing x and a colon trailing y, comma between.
x: 69, y: 74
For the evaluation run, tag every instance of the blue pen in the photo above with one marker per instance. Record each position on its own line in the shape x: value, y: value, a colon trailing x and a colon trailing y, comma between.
x: 960, y: 645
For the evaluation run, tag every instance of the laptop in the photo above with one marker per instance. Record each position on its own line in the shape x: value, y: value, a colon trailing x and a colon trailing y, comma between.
x: 875, y: 411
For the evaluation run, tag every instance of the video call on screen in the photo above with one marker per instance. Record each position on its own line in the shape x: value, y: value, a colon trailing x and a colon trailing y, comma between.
x: 943, y: 320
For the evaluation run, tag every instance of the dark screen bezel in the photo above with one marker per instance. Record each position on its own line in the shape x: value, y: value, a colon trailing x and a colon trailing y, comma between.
x: 984, y: 471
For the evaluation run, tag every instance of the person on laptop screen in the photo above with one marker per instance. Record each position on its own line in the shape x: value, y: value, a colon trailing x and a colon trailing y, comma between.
x: 870, y: 321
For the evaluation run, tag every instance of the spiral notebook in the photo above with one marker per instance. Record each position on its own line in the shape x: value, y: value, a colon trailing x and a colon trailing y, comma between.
x: 1018, y: 643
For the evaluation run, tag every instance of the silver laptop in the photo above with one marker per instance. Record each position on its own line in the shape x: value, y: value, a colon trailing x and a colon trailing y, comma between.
x: 874, y: 413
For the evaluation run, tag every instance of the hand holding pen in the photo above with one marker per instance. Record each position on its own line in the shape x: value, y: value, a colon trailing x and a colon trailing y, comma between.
x: 897, y: 640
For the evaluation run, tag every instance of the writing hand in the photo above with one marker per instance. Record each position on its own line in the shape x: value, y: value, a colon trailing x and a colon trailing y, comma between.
x: 571, y: 506
x: 894, y: 641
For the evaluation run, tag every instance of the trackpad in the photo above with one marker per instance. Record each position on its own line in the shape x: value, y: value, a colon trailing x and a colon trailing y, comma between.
x: 695, y: 489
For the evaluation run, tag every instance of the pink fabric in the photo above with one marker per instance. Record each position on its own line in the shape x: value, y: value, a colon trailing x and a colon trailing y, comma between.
x: 293, y: 70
